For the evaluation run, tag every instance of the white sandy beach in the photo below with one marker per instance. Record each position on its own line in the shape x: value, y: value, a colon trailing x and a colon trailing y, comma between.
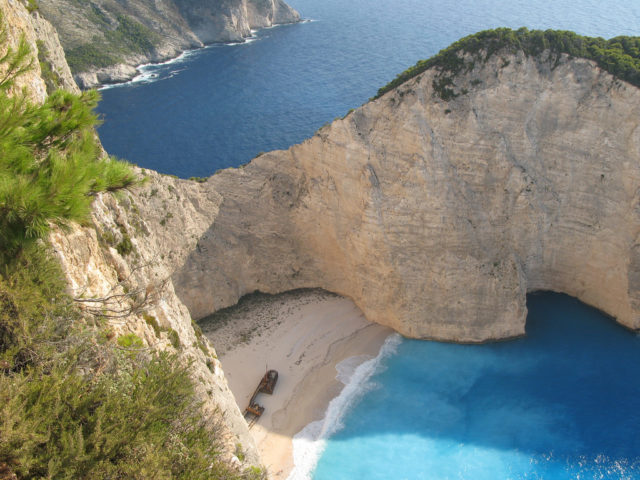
x: 302, y: 335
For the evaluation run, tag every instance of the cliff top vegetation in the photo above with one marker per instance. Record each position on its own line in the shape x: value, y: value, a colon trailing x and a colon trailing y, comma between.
x: 619, y: 56
x: 129, y: 37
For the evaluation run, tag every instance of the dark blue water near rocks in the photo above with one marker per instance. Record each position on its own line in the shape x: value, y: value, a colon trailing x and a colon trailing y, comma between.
x: 563, y: 403
x: 220, y: 106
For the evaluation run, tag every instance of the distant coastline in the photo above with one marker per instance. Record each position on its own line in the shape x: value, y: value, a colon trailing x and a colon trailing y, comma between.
x: 106, y: 43
x: 127, y: 72
x: 138, y: 74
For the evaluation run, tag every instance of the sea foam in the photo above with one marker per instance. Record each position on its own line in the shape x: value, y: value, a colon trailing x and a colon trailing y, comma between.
x: 310, y: 442
x: 151, y: 72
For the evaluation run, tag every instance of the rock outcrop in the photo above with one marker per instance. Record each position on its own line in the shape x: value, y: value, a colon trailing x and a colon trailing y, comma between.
x: 438, y: 217
x: 105, y: 40
x: 17, y: 24
x: 136, y: 279
x: 133, y: 283
x: 42, y: 39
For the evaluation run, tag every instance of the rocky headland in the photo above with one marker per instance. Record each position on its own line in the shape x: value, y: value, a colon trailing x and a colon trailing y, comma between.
x: 105, y: 40
x: 438, y: 216
x: 435, y: 216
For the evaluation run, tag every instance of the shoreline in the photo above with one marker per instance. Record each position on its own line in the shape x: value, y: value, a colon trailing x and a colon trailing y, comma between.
x: 303, y: 335
x: 131, y: 77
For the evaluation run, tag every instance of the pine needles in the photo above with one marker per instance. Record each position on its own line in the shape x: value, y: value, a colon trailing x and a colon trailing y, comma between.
x: 50, y: 161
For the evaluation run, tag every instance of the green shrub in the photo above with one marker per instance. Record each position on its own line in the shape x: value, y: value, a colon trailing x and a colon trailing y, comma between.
x: 132, y: 36
x: 199, y: 179
x: 442, y: 87
x: 32, y: 6
x: 166, y: 218
x: 153, y: 323
x: 130, y: 340
x: 239, y: 452
x: 197, y: 330
x: 620, y: 56
x: 83, y: 57
x: 174, y: 338
x: 129, y: 37
x: 32, y: 283
x: 125, y: 247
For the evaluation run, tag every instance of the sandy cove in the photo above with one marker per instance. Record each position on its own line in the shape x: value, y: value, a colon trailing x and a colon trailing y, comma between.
x: 301, y: 334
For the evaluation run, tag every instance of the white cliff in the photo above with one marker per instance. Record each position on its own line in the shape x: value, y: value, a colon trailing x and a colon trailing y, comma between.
x: 437, y: 217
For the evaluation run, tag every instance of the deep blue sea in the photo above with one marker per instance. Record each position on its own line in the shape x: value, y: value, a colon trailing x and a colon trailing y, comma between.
x: 220, y: 106
x: 562, y: 403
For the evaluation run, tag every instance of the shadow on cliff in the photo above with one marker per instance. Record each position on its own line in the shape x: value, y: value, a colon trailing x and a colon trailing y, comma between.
x: 568, y: 392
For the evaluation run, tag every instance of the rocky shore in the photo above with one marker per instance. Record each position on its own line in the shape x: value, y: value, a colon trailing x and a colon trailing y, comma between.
x: 105, y: 41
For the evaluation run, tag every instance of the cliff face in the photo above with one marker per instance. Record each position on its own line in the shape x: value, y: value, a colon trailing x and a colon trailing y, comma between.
x: 232, y: 20
x: 43, y: 41
x: 106, y: 39
x: 134, y: 282
x: 437, y: 217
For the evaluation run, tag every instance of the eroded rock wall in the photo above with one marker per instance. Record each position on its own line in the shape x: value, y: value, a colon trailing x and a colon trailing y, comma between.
x: 437, y: 217
x: 17, y: 24
x: 44, y: 45
x: 132, y: 285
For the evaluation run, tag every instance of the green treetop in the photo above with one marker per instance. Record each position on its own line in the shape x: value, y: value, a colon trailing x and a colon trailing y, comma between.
x: 51, y: 163
x: 619, y: 56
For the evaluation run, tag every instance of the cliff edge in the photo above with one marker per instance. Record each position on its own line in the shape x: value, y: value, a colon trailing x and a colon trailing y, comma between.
x: 437, y: 216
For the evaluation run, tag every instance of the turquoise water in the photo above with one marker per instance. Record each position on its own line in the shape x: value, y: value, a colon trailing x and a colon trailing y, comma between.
x: 561, y: 403
x: 220, y: 106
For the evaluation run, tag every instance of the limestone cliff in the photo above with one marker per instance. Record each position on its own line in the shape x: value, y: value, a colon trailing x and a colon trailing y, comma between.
x: 49, y: 68
x: 135, y: 281
x: 438, y: 217
x: 20, y: 24
x: 106, y: 39
x: 122, y: 263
